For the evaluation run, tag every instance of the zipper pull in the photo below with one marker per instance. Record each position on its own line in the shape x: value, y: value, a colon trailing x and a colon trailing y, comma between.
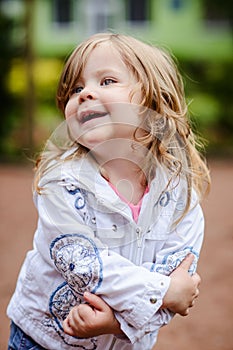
x: 139, y: 236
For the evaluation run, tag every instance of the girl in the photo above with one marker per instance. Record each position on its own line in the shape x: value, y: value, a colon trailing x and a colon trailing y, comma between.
x: 118, y: 204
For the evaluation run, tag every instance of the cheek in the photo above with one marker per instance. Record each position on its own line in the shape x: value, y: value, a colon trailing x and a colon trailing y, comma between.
x: 70, y: 109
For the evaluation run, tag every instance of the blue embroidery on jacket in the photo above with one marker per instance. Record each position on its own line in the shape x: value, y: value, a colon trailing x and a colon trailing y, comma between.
x: 80, y: 202
x: 77, y: 258
x: 172, y: 260
x: 72, y: 189
x: 164, y: 199
x: 61, y: 302
x: 79, y: 199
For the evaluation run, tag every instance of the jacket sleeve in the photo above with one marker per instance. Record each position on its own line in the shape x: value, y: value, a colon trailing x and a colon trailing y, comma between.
x: 86, y: 264
x: 187, y: 237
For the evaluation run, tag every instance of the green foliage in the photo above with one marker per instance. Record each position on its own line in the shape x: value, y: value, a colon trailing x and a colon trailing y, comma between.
x: 209, y: 87
x: 215, y: 9
x: 46, y: 73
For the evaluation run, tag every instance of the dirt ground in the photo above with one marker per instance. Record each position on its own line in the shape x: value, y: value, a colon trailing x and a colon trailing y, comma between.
x: 209, y: 325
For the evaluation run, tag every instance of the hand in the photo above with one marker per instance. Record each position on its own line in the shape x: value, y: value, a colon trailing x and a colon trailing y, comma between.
x: 183, y: 289
x: 91, y: 319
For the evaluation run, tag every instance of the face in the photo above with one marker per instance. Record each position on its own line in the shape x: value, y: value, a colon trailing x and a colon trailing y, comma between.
x: 100, y: 107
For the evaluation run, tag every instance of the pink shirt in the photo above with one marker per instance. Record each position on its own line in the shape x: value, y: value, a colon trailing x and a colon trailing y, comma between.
x: 135, y: 208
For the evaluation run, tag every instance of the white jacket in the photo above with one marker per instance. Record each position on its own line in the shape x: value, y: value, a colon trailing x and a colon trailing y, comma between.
x: 86, y: 239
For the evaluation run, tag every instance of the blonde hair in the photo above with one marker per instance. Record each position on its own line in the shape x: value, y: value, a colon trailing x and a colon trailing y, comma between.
x: 169, y: 139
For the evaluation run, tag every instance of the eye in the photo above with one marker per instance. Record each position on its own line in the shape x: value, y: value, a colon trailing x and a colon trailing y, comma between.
x: 108, y: 81
x: 77, y: 90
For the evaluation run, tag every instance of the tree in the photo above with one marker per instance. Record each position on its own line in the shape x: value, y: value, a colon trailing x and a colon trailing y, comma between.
x: 6, y: 100
x: 216, y: 10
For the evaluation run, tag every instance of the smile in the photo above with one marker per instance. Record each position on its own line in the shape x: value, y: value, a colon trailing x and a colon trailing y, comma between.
x: 85, y: 117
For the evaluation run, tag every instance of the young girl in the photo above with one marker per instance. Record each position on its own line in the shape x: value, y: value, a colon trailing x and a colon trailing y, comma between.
x: 118, y: 206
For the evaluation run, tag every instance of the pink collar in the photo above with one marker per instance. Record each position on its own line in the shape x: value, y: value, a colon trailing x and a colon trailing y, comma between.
x: 135, y: 208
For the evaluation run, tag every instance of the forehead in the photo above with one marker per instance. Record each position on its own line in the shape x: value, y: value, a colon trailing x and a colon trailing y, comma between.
x: 104, y: 56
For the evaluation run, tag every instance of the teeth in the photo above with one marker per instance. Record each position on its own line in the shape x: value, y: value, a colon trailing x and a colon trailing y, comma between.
x: 92, y: 115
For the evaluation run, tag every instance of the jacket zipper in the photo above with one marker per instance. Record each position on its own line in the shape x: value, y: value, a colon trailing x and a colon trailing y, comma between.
x: 113, y: 343
x: 139, y: 236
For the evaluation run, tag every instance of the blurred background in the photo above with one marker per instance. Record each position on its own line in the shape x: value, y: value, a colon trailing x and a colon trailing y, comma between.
x: 36, y: 36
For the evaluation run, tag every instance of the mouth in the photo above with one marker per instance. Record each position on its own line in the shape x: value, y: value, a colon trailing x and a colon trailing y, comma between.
x: 86, y: 116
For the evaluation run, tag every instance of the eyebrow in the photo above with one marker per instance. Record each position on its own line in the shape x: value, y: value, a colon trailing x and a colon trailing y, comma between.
x: 106, y: 70
x: 101, y: 71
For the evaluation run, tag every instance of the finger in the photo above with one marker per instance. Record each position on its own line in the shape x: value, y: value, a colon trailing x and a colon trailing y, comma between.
x: 85, y: 312
x: 95, y: 301
x: 187, y: 262
x: 185, y: 313
x: 66, y: 327
x: 197, y: 293
x: 74, y: 319
x: 192, y: 303
x: 196, y: 279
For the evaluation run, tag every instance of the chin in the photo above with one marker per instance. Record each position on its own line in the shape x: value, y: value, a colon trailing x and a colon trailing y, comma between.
x: 96, y: 137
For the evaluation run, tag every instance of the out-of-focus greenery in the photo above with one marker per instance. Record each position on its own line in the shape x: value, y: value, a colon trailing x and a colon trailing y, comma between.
x: 14, y: 131
x: 209, y: 90
x: 46, y: 75
x: 208, y: 87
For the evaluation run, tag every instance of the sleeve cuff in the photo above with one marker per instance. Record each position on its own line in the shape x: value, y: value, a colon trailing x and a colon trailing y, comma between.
x: 147, y: 305
x: 133, y: 335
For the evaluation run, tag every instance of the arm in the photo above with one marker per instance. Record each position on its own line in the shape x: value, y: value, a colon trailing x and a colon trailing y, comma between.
x: 186, y: 238
x: 96, y: 317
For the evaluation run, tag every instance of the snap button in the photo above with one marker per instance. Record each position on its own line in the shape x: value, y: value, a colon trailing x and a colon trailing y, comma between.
x: 153, y: 300
x: 93, y: 220
x: 114, y: 228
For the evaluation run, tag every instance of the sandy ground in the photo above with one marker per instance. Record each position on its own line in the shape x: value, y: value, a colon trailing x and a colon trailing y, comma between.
x: 209, y: 325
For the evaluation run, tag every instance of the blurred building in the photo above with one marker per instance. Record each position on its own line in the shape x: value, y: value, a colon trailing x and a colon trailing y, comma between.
x: 186, y: 26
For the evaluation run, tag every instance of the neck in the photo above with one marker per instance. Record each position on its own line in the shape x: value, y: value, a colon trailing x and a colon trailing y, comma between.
x: 121, y: 165
x: 128, y: 179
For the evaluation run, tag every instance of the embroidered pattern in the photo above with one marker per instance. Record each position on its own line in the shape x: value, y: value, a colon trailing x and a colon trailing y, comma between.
x: 77, y: 258
x: 172, y: 261
x: 164, y: 199
x: 61, y: 301
x: 74, y: 342
x: 79, y: 198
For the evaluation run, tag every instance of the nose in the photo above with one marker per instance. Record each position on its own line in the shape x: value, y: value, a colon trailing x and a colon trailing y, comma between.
x: 87, y: 94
